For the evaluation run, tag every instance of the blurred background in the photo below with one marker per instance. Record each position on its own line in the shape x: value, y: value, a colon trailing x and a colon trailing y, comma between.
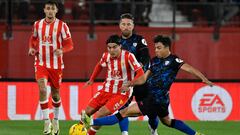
x: 205, y: 33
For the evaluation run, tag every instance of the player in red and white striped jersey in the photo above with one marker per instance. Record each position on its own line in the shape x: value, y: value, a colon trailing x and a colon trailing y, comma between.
x: 121, y: 66
x: 50, y: 39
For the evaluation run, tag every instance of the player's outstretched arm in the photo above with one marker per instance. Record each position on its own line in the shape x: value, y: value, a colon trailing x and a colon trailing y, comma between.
x: 96, y: 71
x: 188, y: 68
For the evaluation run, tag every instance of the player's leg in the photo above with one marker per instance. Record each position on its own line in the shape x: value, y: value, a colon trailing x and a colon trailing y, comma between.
x: 56, y: 102
x: 152, y: 125
x: 174, y: 123
x: 124, y: 124
x: 113, y: 103
x: 141, y: 93
x: 98, y: 100
x: 131, y: 110
x: 55, y: 77
x: 41, y: 76
x: 103, y: 111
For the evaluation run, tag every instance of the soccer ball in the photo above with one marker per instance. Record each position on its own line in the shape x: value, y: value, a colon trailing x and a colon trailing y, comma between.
x: 77, y: 129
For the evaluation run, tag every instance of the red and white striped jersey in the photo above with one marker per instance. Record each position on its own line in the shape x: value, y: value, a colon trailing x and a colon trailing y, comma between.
x: 119, y: 71
x: 50, y: 37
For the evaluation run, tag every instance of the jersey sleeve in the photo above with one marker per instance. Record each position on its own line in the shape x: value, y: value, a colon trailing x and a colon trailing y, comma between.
x: 65, y: 32
x: 34, y: 30
x: 33, y: 42
x: 142, y: 54
x: 103, y: 60
x: 133, y: 62
x: 177, y: 62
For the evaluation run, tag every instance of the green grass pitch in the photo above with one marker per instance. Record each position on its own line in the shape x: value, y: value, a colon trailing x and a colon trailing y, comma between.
x: 136, y: 128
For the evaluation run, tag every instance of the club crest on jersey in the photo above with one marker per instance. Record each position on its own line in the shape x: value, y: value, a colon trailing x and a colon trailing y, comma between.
x: 179, y: 60
x: 134, y: 44
x: 144, y: 42
x: 166, y: 63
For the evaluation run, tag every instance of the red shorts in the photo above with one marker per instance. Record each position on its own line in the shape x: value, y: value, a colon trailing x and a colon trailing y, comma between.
x: 111, y: 101
x: 54, y: 76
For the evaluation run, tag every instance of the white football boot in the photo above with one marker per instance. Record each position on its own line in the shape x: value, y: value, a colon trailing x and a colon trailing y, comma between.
x: 47, y: 127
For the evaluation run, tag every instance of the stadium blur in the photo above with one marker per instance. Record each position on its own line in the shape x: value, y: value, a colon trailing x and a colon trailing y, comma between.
x: 205, y: 34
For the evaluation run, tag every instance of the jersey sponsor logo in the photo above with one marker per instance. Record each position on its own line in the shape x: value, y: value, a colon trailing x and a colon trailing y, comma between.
x: 211, y: 103
x: 166, y: 63
x: 144, y: 42
x: 115, y: 74
x: 179, y: 60
x: 47, y: 39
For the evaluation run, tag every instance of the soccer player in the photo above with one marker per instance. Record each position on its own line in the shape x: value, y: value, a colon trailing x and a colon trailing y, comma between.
x: 161, y: 74
x: 137, y: 45
x: 121, y: 66
x: 50, y: 39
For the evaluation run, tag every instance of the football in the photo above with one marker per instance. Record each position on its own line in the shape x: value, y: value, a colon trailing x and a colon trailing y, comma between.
x: 77, y: 129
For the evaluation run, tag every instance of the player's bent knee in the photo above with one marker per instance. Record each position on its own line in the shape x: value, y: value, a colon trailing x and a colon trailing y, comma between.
x: 55, y: 97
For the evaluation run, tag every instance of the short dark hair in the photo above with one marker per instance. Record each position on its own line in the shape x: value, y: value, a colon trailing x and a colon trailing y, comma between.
x: 166, y: 41
x: 127, y: 16
x: 51, y: 2
x: 114, y: 39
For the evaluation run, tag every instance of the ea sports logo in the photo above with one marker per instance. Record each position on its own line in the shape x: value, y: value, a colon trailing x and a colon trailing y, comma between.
x: 211, y: 103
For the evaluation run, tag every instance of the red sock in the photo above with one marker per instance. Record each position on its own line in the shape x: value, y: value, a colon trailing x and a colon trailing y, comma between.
x: 92, y: 131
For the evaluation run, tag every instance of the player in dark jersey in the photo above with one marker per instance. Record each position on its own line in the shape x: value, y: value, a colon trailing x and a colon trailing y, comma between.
x: 161, y: 74
x: 137, y: 45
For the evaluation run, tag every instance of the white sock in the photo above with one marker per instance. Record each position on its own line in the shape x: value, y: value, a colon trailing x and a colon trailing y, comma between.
x: 56, y: 106
x: 45, y: 109
x: 56, y: 112
x: 45, y: 114
x: 47, y: 121
x: 124, y: 132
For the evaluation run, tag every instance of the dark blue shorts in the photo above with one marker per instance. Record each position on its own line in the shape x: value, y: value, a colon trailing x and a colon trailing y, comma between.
x: 140, y: 92
x: 151, y: 109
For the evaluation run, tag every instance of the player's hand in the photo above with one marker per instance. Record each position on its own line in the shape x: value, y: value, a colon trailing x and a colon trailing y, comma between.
x: 209, y: 83
x: 58, y: 52
x: 125, y: 87
x: 88, y: 83
x: 32, y: 52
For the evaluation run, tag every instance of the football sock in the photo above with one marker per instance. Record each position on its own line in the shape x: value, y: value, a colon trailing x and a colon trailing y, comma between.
x: 56, y: 105
x: 123, y: 124
x: 45, y: 109
x: 125, y: 133
x: 153, y: 123
x: 180, y: 125
x: 107, y: 120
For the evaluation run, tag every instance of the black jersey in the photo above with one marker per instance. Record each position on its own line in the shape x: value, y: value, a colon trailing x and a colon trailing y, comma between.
x: 164, y: 72
x: 137, y: 45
